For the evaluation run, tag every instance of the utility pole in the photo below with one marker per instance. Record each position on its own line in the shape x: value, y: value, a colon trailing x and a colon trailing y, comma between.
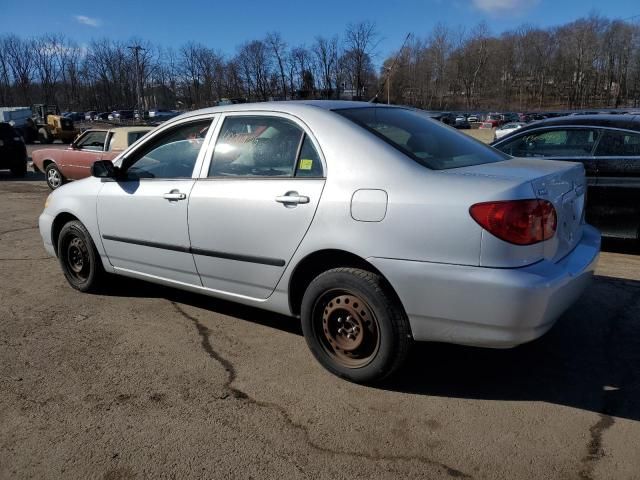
x: 136, y: 51
x: 388, y: 84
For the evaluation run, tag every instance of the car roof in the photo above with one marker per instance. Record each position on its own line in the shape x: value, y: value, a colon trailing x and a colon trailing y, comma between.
x: 132, y: 129
x: 627, y: 122
x: 289, y: 106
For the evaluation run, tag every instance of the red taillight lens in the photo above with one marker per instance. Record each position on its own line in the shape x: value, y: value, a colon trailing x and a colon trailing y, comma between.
x: 522, y: 222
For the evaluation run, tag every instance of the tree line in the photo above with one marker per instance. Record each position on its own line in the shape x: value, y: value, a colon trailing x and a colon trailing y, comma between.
x: 589, y: 63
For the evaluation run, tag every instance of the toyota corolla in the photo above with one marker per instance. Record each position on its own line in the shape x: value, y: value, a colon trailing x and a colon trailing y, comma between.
x: 375, y: 225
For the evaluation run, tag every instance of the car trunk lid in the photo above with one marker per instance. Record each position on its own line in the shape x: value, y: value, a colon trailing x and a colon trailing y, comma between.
x: 566, y: 190
x: 561, y: 183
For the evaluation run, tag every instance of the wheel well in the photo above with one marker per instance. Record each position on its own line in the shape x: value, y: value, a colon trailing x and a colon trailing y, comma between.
x: 314, y: 264
x: 60, y: 221
x: 45, y: 163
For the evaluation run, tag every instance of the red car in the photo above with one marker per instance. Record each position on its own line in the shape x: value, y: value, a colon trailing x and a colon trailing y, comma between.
x: 75, y: 162
x: 495, y: 119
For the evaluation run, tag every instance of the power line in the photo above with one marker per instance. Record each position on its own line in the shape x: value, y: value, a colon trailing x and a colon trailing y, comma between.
x: 390, y: 69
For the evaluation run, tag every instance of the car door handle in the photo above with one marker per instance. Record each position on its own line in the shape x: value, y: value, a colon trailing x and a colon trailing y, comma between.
x: 175, y: 195
x: 292, y: 198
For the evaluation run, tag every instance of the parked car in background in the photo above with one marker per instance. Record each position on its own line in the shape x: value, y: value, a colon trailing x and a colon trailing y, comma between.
x: 88, y: 116
x: 609, y: 148
x: 101, y: 116
x: 473, y: 118
x: 310, y: 208
x: 162, y: 114
x: 461, y: 123
x: 75, y: 116
x: 75, y: 162
x: 125, y: 115
x: 508, y: 128
x: 495, y: 119
x: 13, y: 152
x: 510, y: 118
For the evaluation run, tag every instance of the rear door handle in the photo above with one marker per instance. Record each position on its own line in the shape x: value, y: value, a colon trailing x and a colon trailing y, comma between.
x: 175, y: 195
x: 292, y: 198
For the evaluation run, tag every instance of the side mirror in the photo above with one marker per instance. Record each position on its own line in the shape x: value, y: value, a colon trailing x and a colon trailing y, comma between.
x: 103, y: 169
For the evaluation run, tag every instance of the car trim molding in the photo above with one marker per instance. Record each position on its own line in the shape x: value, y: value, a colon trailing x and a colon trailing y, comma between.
x: 275, y: 262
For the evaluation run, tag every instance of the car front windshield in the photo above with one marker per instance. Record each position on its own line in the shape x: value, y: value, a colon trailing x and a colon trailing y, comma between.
x: 426, y: 141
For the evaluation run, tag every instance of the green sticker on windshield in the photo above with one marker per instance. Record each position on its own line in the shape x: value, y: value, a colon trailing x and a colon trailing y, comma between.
x: 306, y: 164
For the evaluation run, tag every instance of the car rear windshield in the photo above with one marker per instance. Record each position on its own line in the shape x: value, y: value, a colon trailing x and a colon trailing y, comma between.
x: 427, y: 141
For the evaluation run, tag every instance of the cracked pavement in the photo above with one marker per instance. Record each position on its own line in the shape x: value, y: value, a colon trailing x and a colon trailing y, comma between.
x: 148, y: 382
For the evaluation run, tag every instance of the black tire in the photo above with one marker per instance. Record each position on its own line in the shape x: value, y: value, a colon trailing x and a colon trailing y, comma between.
x: 53, y: 176
x: 79, y: 259
x: 44, y: 136
x: 354, y: 325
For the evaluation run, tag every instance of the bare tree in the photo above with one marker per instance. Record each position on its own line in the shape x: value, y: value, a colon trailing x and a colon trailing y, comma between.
x: 278, y: 48
x: 326, y: 54
x: 361, y: 40
x: 21, y: 63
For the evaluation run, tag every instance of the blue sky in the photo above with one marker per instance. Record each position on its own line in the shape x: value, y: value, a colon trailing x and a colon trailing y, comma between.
x: 224, y: 25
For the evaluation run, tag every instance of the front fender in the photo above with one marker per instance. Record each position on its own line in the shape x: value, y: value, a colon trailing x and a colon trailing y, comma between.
x: 77, y: 199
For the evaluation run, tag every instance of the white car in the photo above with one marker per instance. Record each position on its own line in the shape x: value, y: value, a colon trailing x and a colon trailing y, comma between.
x: 374, y: 224
x: 508, y: 128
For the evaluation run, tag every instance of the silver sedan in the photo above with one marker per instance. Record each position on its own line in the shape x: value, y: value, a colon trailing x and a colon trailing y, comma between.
x: 376, y: 225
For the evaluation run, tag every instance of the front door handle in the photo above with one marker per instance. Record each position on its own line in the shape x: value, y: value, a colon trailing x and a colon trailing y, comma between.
x: 292, y: 198
x: 175, y: 195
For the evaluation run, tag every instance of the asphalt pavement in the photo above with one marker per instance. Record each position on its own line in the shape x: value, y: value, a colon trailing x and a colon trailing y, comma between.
x: 149, y: 382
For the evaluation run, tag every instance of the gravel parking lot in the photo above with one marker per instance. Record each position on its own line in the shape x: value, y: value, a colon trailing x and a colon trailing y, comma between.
x: 149, y: 382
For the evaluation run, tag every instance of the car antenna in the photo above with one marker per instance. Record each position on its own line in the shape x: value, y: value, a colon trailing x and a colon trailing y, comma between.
x: 391, y: 68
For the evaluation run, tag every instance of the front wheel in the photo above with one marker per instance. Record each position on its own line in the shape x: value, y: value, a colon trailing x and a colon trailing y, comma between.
x: 354, y: 325
x: 54, y: 176
x: 79, y: 259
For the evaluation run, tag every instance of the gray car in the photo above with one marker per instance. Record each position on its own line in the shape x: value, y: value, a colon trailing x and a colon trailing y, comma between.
x: 376, y: 225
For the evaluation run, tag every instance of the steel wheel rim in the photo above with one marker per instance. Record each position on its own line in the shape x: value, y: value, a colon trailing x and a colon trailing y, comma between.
x: 346, y: 328
x: 53, y: 177
x: 77, y: 259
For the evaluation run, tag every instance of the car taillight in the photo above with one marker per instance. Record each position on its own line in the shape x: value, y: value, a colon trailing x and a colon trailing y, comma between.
x: 521, y: 222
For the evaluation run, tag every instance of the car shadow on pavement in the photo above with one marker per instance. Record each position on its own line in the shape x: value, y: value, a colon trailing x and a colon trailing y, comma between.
x: 129, y: 287
x: 590, y: 360
x: 6, y: 176
x: 618, y: 245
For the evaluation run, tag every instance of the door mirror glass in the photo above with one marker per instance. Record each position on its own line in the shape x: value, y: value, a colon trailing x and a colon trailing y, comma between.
x: 103, y: 169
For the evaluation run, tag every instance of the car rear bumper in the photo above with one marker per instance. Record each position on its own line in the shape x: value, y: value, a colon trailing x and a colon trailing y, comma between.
x: 490, y: 307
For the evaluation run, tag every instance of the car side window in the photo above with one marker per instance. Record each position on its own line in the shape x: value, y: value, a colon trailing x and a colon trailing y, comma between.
x: 309, y: 163
x: 618, y: 144
x: 574, y: 142
x: 256, y: 146
x: 171, y: 155
x: 92, y: 141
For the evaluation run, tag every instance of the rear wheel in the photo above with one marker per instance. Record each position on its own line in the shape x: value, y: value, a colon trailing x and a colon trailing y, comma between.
x: 80, y: 261
x: 53, y: 176
x: 354, y: 325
